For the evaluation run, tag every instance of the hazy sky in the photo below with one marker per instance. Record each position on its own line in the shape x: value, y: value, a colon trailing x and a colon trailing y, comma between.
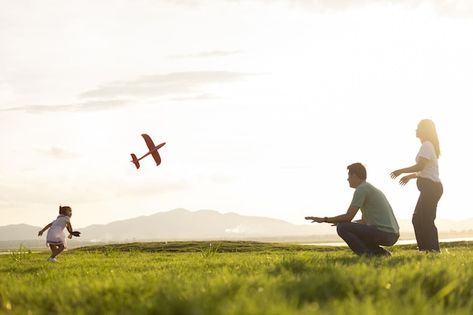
x: 262, y: 104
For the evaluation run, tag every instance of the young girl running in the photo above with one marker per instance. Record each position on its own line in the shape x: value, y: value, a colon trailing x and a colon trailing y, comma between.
x: 56, y: 239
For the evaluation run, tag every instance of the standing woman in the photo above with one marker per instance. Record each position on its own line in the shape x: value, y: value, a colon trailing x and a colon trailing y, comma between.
x: 426, y: 171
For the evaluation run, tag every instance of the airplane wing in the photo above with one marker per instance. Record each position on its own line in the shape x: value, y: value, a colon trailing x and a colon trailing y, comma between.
x: 155, y: 153
x: 149, y: 142
x: 152, y: 148
x: 156, y: 157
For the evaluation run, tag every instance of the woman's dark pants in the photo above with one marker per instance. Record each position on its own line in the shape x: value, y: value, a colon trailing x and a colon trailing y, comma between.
x: 425, y: 213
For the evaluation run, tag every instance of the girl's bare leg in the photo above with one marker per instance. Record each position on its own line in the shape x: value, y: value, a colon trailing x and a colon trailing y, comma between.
x: 59, y: 249
x: 53, y: 250
x: 56, y: 249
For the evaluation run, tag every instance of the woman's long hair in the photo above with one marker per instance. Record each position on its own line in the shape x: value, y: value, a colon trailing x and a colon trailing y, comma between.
x: 430, y: 132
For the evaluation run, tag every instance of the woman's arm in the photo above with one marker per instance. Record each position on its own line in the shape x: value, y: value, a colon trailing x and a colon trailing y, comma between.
x: 405, y: 179
x: 419, y: 166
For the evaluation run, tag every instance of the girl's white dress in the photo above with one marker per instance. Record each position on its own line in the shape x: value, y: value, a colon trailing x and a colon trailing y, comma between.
x: 56, y: 235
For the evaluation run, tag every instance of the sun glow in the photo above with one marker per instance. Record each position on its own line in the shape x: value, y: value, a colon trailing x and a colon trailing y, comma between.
x: 262, y: 107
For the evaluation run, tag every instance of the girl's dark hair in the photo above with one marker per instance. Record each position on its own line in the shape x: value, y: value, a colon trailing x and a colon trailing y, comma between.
x: 63, y: 209
x: 358, y: 169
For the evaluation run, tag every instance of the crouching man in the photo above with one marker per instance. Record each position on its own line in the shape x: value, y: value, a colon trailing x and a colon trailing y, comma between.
x: 378, y: 225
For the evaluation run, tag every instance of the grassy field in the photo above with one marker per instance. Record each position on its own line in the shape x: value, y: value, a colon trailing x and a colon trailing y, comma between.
x: 236, y: 278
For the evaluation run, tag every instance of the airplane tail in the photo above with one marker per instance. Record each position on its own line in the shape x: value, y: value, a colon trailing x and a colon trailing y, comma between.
x: 135, y: 161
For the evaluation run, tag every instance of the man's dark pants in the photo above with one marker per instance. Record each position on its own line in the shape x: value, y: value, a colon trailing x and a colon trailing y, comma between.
x: 366, y: 239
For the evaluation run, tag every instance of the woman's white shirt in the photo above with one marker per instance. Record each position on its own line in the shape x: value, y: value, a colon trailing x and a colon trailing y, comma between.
x: 431, y: 169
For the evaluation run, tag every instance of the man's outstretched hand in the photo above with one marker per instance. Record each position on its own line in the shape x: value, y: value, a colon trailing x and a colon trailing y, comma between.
x: 315, y: 219
x: 76, y: 233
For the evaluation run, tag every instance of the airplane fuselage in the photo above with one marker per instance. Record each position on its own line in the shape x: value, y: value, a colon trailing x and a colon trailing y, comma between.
x: 151, y: 151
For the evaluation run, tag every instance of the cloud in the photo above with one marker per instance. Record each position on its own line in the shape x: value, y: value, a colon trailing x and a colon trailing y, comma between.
x: 181, y: 86
x: 28, y: 191
x: 206, y: 54
x: 198, y: 97
x: 178, y: 83
x: 151, y: 188
x: 57, y: 153
x: 442, y: 7
x: 77, y: 107
x: 452, y: 8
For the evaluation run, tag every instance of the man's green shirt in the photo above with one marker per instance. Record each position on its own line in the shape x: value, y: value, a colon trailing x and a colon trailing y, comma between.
x: 375, y: 208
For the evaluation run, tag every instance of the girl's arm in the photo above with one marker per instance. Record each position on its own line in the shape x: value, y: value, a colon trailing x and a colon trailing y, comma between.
x: 44, y: 229
x: 69, y: 227
x: 71, y: 231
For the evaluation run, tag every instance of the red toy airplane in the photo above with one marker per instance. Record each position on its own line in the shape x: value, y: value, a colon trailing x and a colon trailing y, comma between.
x: 153, y: 150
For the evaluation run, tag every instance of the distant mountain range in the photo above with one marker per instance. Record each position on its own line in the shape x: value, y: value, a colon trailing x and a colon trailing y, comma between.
x: 181, y: 224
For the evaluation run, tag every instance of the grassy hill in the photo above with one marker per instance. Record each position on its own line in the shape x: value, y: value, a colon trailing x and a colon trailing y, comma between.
x: 201, y: 246
x: 219, y: 246
x: 236, y: 278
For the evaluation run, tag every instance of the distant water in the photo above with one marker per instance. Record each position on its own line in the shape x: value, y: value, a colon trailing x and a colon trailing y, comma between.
x: 400, y: 242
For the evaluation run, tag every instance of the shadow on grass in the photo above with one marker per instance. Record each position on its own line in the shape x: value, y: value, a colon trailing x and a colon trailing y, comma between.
x: 21, y: 270
x: 319, y: 286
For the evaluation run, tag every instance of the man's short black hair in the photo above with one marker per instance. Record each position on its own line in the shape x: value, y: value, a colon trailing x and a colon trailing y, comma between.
x: 358, y: 169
